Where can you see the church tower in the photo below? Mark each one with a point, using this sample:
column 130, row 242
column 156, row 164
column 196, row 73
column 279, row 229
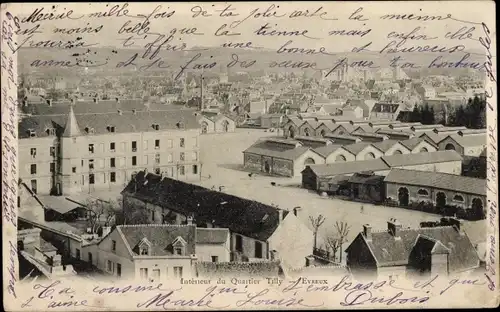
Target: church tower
column 72, row 146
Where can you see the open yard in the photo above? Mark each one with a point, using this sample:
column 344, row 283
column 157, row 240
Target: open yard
column 222, row 157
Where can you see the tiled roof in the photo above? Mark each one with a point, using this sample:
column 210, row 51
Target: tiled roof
column 342, row 137
column 270, row 149
column 384, row 146
column 438, row 180
column 413, row 142
column 58, row 203
column 211, row 235
column 161, row 237
column 348, row 167
column 469, row 140
column 126, row 122
column 421, row 158
column 356, row 147
column 433, row 137
column 326, row 150
column 390, row 251
column 370, row 135
column 239, row 215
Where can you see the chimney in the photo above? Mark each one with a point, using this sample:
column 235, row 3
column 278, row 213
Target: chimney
column 96, row 100
column 106, row 230
column 393, row 226
column 117, row 100
column 49, row 101
column 280, row 215
column 309, row 261
column 134, row 111
column 190, row 220
column 367, row 231
column 296, row 211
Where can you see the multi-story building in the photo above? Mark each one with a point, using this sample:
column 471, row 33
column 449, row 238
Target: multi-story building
column 73, row 153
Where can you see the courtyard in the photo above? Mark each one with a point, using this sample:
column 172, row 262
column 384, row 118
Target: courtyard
column 223, row 158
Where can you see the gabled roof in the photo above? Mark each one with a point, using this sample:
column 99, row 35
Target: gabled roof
column 438, row 180
column 326, row 150
column 391, row 251
column 239, row 215
column 468, row 140
column 161, row 237
column 421, row 158
column 71, row 128
column 347, row 167
column 279, row 151
column 414, row 142
column 384, row 146
column 356, row 147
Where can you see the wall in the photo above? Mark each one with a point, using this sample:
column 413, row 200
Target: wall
column 248, row 246
column 287, row 126
column 448, row 140
column 165, row 265
column 430, row 148
column 121, row 255
column 204, row 252
column 299, row 163
column 330, row 159
column 293, row 241
column 44, row 178
column 252, row 161
column 369, row 149
column 439, row 264
column 393, row 189
column 474, row 150
column 359, row 258
column 282, row 167
column 452, row 167
column 395, row 147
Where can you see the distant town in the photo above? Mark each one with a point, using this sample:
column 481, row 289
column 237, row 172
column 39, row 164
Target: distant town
column 362, row 172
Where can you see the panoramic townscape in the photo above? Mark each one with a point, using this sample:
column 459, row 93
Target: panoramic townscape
column 365, row 172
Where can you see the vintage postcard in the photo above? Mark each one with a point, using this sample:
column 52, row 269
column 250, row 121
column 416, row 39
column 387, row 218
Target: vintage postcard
column 249, row 155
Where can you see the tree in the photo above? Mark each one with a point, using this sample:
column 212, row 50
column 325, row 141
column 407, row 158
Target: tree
column 415, row 115
column 100, row 213
column 342, row 231
column 316, row 223
column 332, row 242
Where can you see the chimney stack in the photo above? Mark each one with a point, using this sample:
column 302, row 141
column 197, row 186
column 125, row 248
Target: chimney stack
column 280, row 215
column 190, row 220
column 96, row 100
column 367, row 231
column 394, row 227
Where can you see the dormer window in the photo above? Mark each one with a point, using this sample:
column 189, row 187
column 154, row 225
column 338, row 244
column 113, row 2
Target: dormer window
column 31, row 133
column 89, row 130
column 179, row 246
column 50, row 131
column 111, row 128
column 156, row 126
column 180, row 125
column 144, row 247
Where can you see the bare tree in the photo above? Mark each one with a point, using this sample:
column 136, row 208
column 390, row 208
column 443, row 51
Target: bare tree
column 100, row 213
column 332, row 242
column 342, row 231
column 316, row 223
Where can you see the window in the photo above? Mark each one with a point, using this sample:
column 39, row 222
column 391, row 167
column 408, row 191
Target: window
column 91, row 178
column 145, row 159
column 369, row 156
column 215, row 259
column 156, row 273
column 170, row 157
column 82, row 162
column 397, row 152
column 170, row 143
column 423, row 150
column 458, row 198
column 112, row 146
column 182, row 142
column 73, row 169
column 178, row 251
column 91, row 148
column 239, row 243
column 112, row 176
column 33, row 186
column 51, row 131
column 111, row 128
column 177, row 271
column 195, row 169
column 33, row 168
column 123, row 146
column 134, row 146
column 144, row 273
column 52, row 151
column 182, row 170
column 145, row 145
column 113, row 246
column 195, row 156
column 78, row 254
column 157, row 159
column 118, row 269
column 134, row 160
column 182, row 156
column 91, row 164
column 110, row 266
column 258, row 249
column 157, row 144
column 144, row 251
column 340, row 158
column 423, row 192
column 112, row 162
column 33, row 152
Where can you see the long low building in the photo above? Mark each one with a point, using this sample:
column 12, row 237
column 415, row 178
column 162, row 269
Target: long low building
column 412, row 187
column 325, row 177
